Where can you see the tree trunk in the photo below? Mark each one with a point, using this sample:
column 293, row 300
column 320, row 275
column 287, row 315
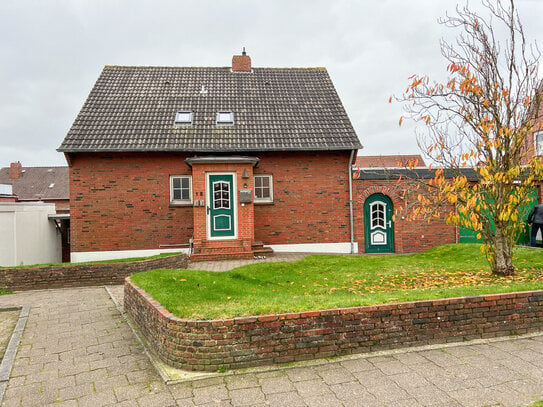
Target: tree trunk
column 502, row 263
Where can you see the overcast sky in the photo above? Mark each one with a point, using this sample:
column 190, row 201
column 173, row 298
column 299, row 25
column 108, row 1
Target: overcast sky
column 52, row 51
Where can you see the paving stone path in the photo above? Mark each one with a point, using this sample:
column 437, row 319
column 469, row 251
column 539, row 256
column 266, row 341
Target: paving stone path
column 231, row 264
column 77, row 350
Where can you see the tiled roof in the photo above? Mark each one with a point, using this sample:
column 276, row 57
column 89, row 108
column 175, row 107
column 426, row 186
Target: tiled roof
column 275, row 109
column 389, row 161
column 38, row 183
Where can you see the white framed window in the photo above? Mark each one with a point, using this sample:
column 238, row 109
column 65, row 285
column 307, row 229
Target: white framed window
column 225, row 117
column 181, row 189
column 263, row 188
column 377, row 214
column 183, row 117
column 538, row 139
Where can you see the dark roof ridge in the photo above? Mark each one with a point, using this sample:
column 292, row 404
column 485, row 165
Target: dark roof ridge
column 302, row 68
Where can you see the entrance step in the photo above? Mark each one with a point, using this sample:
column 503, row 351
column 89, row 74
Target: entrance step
column 196, row 257
column 259, row 250
column 209, row 250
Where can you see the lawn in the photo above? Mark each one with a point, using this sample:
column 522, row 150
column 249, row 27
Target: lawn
column 326, row 281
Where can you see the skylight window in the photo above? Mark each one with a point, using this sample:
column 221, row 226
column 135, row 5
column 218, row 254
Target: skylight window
column 183, row 118
column 225, row 118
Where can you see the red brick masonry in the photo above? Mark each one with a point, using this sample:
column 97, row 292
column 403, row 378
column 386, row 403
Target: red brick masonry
column 269, row 339
column 75, row 275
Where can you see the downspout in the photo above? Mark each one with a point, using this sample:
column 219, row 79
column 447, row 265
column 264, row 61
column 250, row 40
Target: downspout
column 351, row 199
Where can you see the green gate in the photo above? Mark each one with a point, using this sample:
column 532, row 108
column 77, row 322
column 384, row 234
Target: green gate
column 470, row 236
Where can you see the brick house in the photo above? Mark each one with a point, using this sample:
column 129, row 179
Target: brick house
column 28, row 185
column 38, row 184
column 222, row 160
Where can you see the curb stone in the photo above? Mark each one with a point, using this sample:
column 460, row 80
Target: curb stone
column 13, row 346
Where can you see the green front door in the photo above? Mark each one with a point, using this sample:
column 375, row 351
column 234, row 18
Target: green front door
column 378, row 226
column 221, row 205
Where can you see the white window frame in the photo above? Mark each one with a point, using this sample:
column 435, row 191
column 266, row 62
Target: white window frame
column 267, row 199
column 384, row 205
column 538, row 145
column 181, row 201
column 224, row 122
column 183, row 123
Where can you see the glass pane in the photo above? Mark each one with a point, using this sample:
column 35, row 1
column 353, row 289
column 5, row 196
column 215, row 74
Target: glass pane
column 266, row 192
column 265, row 181
column 177, row 182
column 185, row 183
column 185, row 194
column 258, row 192
column 225, row 117
column 183, row 117
column 258, row 182
column 539, row 142
column 176, row 194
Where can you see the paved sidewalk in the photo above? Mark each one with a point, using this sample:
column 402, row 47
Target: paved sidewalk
column 78, row 351
column 225, row 265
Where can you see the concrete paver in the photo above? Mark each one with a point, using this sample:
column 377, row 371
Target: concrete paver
column 232, row 264
column 77, row 350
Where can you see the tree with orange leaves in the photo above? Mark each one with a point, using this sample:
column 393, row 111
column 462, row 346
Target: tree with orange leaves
column 480, row 118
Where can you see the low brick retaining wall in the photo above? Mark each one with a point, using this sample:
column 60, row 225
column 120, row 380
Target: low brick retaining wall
column 74, row 275
column 270, row 339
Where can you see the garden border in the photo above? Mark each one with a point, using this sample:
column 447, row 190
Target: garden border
column 211, row 345
column 79, row 275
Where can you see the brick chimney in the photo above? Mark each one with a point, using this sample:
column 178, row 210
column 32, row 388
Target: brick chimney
column 15, row 170
column 241, row 63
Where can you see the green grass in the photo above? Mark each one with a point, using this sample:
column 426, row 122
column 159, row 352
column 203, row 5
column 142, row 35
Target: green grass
column 537, row 404
column 325, row 281
column 4, row 292
column 93, row 262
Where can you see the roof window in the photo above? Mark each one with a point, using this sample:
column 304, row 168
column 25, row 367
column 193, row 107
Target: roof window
column 225, row 118
column 183, row 117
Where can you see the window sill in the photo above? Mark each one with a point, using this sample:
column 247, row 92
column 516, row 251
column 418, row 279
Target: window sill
column 177, row 204
column 263, row 202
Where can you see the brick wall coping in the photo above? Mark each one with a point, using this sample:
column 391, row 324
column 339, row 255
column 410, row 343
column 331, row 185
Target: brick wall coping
column 75, row 275
column 490, row 298
column 269, row 339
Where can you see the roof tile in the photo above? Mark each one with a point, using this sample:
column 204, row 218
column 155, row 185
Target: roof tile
column 275, row 109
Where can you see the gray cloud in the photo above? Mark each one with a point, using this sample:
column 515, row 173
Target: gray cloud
column 51, row 52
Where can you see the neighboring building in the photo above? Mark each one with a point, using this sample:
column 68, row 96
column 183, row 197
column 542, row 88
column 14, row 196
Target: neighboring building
column 29, row 185
column 38, row 184
column 221, row 158
column 28, row 234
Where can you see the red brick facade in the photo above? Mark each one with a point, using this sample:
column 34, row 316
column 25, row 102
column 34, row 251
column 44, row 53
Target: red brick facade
column 121, row 201
column 310, row 198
